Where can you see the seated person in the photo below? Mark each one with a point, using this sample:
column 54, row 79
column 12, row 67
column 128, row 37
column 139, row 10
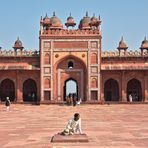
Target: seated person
column 73, row 126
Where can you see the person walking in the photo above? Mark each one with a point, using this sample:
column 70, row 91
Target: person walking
column 74, row 99
column 7, row 103
column 130, row 98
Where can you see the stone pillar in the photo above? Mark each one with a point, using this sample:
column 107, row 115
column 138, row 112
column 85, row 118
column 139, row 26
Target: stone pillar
column 102, row 99
column 88, row 89
column 123, row 89
column 146, row 88
column 41, row 72
column 99, row 87
column 19, row 93
column 15, row 52
column 141, row 52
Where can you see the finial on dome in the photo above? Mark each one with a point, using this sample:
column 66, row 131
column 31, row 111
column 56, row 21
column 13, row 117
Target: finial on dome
column 54, row 13
column 86, row 13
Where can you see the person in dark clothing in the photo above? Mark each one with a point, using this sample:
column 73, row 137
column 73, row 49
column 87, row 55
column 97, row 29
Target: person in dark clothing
column 7, row 103
column 74, row 99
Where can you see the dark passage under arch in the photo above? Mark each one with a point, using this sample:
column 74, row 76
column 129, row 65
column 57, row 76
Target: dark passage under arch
column 7, row 89
column 111, row 90
column 29, row 91
column 70, row 86
column 134, row 88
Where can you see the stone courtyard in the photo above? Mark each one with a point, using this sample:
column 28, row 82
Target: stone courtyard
column 107, row 126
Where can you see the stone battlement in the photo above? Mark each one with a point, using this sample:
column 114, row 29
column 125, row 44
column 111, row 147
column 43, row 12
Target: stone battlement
column 130, row 53
column 71, row 32
column 24, row 53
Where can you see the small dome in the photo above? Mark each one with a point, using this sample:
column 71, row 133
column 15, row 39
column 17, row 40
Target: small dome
column 95, row 21
column 122, row 44
column 144, row 44
column 85, row 22
column 70, row 21
column 46, row 20
column 55, row 22
column 18, row 44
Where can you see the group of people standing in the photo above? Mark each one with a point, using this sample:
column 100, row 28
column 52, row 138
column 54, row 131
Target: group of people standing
column 133, row 97
column 72, row 99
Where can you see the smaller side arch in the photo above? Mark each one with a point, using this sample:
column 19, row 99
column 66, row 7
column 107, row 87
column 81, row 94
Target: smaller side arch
column 46, row 83
column 7, row 89
column 134, row 89
column 111, row 90
column 94, row 83
column 47, row 59
column 94, row 58
column 29, row 90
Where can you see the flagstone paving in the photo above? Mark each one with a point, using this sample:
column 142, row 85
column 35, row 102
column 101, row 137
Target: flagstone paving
column 107, row 126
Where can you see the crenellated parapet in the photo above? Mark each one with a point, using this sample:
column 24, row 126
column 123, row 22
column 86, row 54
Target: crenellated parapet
column 27, row 53
column 123, row 52
column 130, row 53
column 71, row 32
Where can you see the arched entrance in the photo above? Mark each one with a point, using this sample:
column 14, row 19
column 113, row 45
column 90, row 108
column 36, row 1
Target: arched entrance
column 70, row 87
column 70, row 68
column 134, row 88
column 29, row 91
column 7, row 89
column 111, row 90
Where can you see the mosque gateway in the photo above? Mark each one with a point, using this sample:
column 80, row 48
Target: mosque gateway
column 71, row 60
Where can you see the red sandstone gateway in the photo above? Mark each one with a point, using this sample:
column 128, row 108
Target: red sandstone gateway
column 69, row 54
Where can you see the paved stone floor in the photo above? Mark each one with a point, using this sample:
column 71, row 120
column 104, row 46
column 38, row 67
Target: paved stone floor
column 107, row 126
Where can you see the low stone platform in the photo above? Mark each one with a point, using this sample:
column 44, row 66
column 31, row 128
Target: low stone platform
column 68, row 139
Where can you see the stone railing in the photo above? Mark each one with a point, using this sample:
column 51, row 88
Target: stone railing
column 130, row 53
column 18, row 53
column 70, row 32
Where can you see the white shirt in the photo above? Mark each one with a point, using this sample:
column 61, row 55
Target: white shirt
column 75, row 125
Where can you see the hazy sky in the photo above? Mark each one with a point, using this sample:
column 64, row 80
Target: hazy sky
column 128, row 18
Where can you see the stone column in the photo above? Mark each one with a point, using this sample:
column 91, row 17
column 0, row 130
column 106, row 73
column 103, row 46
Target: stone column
column 102, row 99
column 146, row 88
column 123, row 88
column 19, row 93
column 41, row 72
column 88, row 86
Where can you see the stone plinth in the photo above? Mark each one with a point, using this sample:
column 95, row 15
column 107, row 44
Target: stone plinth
column 57, row 138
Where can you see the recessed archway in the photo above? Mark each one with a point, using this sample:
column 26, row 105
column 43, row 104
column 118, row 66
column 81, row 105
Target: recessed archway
column 70, row 67
column 29, row 91
column 134, row 89
column 70, row 87
column 111, row 90
column 7, row 89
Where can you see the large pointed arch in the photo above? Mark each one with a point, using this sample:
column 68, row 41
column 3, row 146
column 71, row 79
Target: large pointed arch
column 64, row 70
